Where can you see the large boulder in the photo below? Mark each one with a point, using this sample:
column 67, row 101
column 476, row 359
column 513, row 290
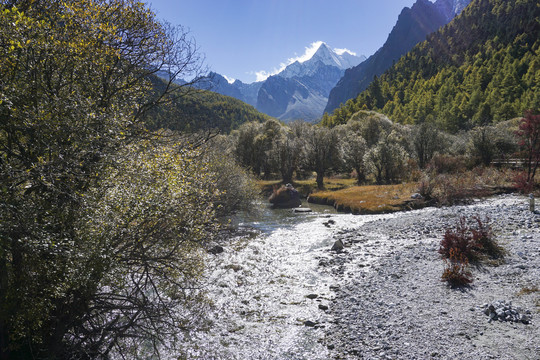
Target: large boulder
column 286, row 197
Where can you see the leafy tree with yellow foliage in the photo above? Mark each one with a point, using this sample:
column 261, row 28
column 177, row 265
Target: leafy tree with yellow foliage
column 101, row 230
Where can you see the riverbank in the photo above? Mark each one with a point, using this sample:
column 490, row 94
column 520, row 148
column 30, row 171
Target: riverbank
column 443, row 189
column 389, row 301
column 371, row 199
column 346, row 197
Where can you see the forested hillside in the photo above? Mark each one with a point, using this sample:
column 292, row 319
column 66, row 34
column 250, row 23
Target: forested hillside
column 200, row 109
column 484, row 66
column 412, row 27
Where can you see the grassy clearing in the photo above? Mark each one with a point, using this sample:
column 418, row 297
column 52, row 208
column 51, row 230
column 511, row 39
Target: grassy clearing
column 371, row 199
column 441, row 189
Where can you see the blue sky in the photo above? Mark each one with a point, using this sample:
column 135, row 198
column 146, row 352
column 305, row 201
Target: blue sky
column 243, row 38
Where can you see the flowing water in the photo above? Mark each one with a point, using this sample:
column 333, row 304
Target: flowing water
column 260, row 283
column 259, row 287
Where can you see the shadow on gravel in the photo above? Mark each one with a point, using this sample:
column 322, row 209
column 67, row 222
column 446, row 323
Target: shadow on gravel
column 461, row 288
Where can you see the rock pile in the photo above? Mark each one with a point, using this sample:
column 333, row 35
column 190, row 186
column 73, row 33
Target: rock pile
column 503, row 311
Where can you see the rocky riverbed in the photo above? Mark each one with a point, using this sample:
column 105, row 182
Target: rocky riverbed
column 388, row 301
column 282, row 293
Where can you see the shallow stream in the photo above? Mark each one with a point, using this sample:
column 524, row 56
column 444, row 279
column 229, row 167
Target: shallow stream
column 260, row 286
column 270, row 289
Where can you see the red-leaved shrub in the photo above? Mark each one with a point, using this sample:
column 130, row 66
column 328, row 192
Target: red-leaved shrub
column 456, row 272
column 523, row 184
column 459, row 239
column 473, row 241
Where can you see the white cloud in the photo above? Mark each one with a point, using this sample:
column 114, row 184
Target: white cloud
column 308, row 53
column 263, row 75
column 229, row 80
column 310, row 50
column 343, row 51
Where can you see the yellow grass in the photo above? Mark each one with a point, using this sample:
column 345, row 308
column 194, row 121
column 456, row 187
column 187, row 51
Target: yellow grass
column 368, row 199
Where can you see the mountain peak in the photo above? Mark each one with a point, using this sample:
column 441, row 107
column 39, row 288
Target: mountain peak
column 323, row 48
column 324, row 55
column 327, row 56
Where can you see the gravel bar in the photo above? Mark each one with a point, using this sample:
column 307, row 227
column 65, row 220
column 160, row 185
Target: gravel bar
column 389, row 301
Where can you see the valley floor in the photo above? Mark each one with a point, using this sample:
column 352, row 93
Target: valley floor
column 389, row 301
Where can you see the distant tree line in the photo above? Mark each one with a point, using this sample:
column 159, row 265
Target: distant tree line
column 369, row 146
column 192, row 111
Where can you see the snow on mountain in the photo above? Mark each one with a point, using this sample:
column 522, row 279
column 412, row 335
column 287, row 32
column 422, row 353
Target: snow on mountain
column 323, row 56
column 299, row 91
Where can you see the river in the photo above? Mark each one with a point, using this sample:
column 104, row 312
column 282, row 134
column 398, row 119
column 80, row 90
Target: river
column 384, row 292
column 260, row 287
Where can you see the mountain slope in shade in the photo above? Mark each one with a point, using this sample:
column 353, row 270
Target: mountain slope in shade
column 412, row 27
column 239, row 90
column 196, row 110
column 298, row 97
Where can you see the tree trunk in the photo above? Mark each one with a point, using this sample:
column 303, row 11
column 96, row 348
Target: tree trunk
column 360, row 176
column 320, row 179
column 3, row 295
column 286, row 177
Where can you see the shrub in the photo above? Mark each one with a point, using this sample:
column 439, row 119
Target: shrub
column 458, row 239
column 456, row 272
column 235, row 185
column 483, row 238
column 426, row 187
column 522, row 184
column 412, row 171
column 447, row 164
column 474, row 241
column 529, row 141
column 449, row 189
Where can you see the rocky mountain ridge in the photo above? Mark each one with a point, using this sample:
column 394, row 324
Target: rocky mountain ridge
column 299, row 91
column 412, row 27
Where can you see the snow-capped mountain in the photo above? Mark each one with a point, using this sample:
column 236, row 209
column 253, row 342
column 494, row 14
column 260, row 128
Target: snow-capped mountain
column 323, row 56
column 298, row 97
column 451, row 8
column 299, row 91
